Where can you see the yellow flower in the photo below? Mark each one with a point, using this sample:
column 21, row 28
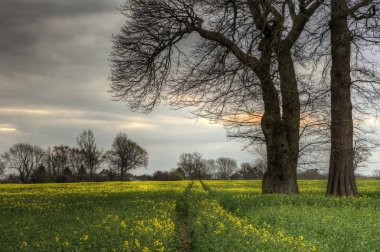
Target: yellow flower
column 66, row 244
column 137, row 243
column 157, row 243
column 84, row 237
column 123, row 224
column 145, row 249
column 24, row 244
column 219, row 228
column 126, row 244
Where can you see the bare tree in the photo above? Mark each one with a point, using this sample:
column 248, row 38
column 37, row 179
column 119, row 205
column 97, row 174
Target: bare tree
column 376, row 174
column 192, row 164
column 241, row 64
column 58, row 159
column 92, row 157
column 210, row 168
column 364, row 145
column 353, row 25
column 126, row 155
column 226, row 167
column 354, row 34
column 341, row 172
column 2, row 166
column 25, row 158
column 245, row 167
column 76, row 160
column 252, row 171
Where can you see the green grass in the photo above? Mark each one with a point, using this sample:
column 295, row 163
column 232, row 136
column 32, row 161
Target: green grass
column 89, row 217
column 217, row 229
column 227, row 216
column 332, row 224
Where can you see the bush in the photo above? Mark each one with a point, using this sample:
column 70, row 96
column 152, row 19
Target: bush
column 165, row 175
column 62, row 179
column 144, row 177
column 176, row 176
column 40, row 175
column 311, row 174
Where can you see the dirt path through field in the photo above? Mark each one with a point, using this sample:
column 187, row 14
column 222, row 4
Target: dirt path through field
column 183, row 226
column 184, row 235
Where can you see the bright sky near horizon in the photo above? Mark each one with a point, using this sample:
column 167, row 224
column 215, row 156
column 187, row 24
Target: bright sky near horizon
column 53, row 84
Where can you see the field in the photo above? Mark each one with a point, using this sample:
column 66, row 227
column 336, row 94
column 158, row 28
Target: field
column 186, row 216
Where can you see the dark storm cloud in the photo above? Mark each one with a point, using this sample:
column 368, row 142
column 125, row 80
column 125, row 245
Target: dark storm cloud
column 31, row 10
column 53, row 84
column 53, row 57
column 24, row 21
column 64, row 44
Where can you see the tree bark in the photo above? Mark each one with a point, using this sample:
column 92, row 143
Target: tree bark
column 281, row 176
column 341, row 181
column 289, row 137
column 281, row 132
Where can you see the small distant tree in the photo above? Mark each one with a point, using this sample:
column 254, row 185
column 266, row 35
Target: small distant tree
column 2, row 167
column 260, row 165
column 82, row 170
column 161, row 175
column 376, row 174
column 176, row 174
column 226, row 167
column 25, row 158
column 364, row 145
column 311, row 174
column 126, row 155
column 245, row 167
column 192, row 164
column 12, row 178
column 251, row 171
column 67, row 171
column 40, row 175
column 181, row 172
column 209, row 168
column 144, row 177
column 92, row 156
column 76, row 162
column 58, row 159
column 172, row 175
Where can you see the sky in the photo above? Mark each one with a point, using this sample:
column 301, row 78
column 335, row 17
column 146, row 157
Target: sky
column 54, row 72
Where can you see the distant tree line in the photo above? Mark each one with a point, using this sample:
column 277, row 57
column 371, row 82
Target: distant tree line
column 86, row 162
column 194, row 166
column 62, row 163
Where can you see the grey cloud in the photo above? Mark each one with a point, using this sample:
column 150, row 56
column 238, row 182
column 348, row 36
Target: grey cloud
column 75, row 64
column 37, row 35
column 54, row 58
column 16, row 12
column 22, row 21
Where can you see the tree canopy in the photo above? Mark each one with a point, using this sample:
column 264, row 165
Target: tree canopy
column 126, row 155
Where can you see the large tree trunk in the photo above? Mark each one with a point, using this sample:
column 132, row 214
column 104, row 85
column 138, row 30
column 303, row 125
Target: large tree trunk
column 341, row 181
column 287, row 132
column 280, row 176
column 22, row 176
column 281, row 134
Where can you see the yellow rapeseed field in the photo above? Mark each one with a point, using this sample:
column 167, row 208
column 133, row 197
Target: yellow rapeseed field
column 218, row 216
